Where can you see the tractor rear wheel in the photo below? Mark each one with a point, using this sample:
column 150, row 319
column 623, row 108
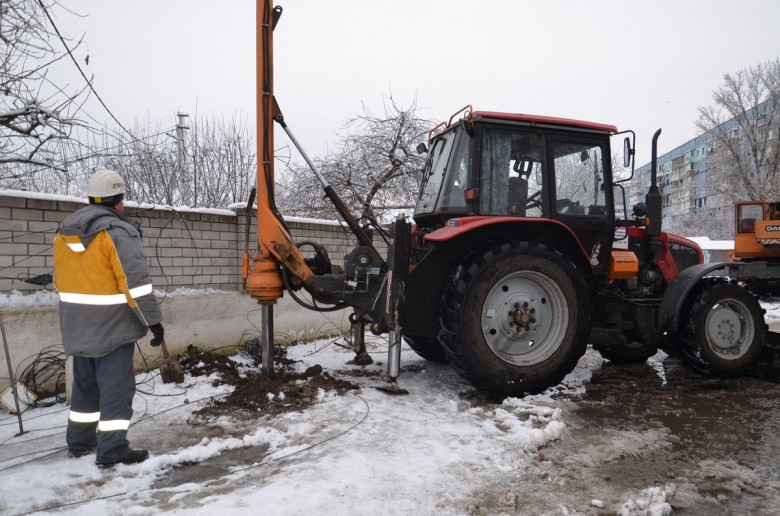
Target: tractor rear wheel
column 515, row 318
column 725, row 332
column 427, row 347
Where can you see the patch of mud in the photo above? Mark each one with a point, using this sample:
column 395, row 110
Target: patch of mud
column 652, row 439
column 214, row 468
column 288, row 390
column 360, row 373
column 379, row 372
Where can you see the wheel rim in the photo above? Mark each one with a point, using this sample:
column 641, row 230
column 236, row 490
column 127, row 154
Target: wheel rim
column 524, row 318
column 729, row 329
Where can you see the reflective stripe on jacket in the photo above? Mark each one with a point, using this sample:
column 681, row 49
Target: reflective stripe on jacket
column 101, row 274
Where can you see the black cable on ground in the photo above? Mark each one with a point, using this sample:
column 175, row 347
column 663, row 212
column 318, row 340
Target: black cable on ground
column 216, row 476
column 151, row 378
column 47, row 366
column 56, row 449
column 14, row 422
column 6, row 443
column 142, row 418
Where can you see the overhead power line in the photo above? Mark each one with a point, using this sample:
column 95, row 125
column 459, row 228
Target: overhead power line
column 75, row 62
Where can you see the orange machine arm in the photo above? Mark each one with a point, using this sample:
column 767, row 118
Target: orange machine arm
column 275, row 245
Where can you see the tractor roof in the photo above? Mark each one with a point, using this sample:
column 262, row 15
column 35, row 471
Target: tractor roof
column 551, row 120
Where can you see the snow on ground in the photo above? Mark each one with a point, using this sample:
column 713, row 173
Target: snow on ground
column 366, row 452
column 16, row 299
column 772, row 307
column 435, row 451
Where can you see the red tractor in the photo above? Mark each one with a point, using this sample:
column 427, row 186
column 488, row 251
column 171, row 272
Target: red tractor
column 522, row 251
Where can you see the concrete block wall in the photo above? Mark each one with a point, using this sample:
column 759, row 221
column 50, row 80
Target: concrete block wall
column 184, row 248
column 27, row 228
column 199, row 249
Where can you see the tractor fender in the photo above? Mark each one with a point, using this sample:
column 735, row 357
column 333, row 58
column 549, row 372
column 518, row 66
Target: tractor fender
column 676, row 295
column 464, row 226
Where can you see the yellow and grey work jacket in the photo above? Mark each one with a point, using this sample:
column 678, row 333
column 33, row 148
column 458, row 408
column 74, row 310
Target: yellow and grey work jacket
column 102, row 277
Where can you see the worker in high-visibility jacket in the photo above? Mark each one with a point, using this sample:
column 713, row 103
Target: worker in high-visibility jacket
column 106, row 305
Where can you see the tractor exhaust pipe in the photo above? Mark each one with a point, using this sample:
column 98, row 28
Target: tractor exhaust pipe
column 653, row 199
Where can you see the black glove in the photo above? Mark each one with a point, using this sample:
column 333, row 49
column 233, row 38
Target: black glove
column 159, row 334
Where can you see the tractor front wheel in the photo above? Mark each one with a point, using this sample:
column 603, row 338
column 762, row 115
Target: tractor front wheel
column 633, row 350
column 725, row 331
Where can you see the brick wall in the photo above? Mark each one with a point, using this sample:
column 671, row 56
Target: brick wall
column 185, row 248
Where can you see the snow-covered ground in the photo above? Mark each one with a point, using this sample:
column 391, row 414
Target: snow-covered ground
column 361, row 453
column 772, row 307
column 442, row 449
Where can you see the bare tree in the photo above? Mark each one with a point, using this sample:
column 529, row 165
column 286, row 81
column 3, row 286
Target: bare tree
column 219, row 168
column 222, row 163
column 376, row 168
column 744, row 157
column 36, row 116
column 148, row 163
column 716, row 224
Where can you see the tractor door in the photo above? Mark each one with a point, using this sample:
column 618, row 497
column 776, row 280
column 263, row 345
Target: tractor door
column 581, row 171
column 512, row 172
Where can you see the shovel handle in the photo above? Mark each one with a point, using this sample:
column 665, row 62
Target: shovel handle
column 165, row 351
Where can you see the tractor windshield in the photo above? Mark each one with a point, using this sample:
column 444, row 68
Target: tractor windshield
column 445, row 175
column 452, row 198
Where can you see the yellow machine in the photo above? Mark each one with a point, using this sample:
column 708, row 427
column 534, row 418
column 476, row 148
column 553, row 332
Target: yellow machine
column 757, row 234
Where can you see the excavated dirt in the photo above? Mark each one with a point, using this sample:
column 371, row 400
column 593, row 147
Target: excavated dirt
column 288, row 390
column 205, row 363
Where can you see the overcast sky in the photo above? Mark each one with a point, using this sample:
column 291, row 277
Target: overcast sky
column 638, row 65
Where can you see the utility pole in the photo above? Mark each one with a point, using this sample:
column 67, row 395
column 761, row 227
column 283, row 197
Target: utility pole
column 181, row 155
column 180, row 128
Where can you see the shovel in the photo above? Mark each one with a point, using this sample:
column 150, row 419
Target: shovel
column 171, row 372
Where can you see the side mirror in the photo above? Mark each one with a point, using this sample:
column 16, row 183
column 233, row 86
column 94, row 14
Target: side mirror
column 628, row 152
column 421, row 148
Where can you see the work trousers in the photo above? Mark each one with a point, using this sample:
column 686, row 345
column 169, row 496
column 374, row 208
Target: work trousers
column 102, row 403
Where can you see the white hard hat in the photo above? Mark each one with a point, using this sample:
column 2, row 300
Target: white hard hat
column 105, row 183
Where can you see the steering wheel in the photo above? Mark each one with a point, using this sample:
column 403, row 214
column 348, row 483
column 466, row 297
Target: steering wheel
column 534, row 201
column 565, row 205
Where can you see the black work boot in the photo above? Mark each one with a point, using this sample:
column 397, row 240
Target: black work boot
column 75, row 453
column 132, row 457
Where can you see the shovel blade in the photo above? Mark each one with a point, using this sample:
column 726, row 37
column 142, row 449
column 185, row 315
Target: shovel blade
column 172, row 373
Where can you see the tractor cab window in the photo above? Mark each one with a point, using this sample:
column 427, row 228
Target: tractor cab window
column 579, row 179
column 747, row 217
column 512, row 171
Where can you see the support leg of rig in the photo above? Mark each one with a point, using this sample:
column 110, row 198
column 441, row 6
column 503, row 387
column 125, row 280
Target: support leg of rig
column 393, row 364
column 362, row 357
column 394, row 356
column 267, row 336
column 398, row 259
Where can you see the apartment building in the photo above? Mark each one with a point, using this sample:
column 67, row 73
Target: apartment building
column 691, row 176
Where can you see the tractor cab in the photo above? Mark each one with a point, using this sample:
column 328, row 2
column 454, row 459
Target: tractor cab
column 540, row 170
column 757, row 234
